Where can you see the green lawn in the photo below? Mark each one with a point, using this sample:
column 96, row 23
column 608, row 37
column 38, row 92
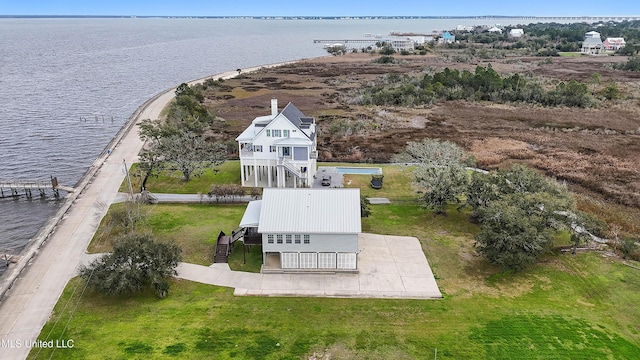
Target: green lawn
column 564, row 309
column 172, row 183
column 193, row 227
column 568, row 307
column 570, row 54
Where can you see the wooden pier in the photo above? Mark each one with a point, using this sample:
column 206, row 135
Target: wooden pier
column 29, row 188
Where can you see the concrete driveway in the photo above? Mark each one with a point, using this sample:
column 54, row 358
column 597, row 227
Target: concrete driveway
column 389, row 267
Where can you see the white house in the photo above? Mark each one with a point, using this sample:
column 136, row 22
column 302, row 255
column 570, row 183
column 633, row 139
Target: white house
column 592, row 44
column 279, row 150
column 311, row 229
column 516, row 33
column 495, row 30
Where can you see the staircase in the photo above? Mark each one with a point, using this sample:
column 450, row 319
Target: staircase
column 237, row 234
column 292, row 168
column 223, row 248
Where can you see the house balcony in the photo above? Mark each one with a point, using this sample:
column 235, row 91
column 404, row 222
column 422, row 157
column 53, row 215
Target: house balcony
column 246, row 153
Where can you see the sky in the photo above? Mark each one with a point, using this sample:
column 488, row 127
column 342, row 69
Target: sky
column 320, row 7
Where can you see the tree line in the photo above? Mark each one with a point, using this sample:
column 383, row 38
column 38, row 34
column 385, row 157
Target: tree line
column 548, row 39
column 484, row 84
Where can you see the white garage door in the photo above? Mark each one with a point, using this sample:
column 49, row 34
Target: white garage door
column 346, row 261
column 326, row 260
column 308, row 260
column 289, row 260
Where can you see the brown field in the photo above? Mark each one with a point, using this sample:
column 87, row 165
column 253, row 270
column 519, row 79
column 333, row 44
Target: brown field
column 596, row 151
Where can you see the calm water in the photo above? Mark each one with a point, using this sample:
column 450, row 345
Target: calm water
column 68, row 85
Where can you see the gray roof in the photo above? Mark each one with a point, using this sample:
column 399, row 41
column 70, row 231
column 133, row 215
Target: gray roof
column 297, row 118
column 592, row 42
column 310, row 211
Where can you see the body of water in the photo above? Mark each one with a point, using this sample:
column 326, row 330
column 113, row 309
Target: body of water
column 68, row 85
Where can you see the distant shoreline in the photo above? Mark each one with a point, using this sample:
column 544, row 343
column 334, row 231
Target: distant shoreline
column 479, row 17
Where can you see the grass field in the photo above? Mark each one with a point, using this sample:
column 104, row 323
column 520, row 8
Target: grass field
column 172, row 183
column 568, row 307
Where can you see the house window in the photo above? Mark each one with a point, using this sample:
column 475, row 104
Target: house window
column 288, row 239
column 285, row 133
column 272, row 148
column 268, row 132
column 270, row 239
column 257, row 148
column 279, row 238
column 286, row 151
column 307, row 239
column 275, row 133
column 297, row 238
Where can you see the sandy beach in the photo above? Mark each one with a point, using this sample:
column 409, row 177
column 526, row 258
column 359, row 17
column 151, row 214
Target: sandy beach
column 30, row 289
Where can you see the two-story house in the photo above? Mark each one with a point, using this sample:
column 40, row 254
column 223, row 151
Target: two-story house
column 279, row 150
column 592, row 44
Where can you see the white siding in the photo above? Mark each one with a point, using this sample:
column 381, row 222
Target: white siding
column 318, row 243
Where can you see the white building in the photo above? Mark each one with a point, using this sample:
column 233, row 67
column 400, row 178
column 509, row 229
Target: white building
column 279, row 150
column 495, row 30
column 516, row 33
column 311, row 229
column 592, row 44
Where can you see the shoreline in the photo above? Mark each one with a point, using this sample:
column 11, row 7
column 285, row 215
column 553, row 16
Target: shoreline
column 30, row 288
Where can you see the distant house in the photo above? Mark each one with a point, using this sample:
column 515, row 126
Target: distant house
column 495, row 30
column 592, row 44
column 406, row 44
column 464, row 28
column 616, row 43
column 311, row 229
column 447, row 38
column 279, row 150
column 516, row 33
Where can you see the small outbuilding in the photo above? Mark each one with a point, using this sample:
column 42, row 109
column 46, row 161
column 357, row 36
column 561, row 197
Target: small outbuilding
column 307, row 229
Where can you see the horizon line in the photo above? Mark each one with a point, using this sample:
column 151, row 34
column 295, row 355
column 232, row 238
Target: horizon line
column 329, row 16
